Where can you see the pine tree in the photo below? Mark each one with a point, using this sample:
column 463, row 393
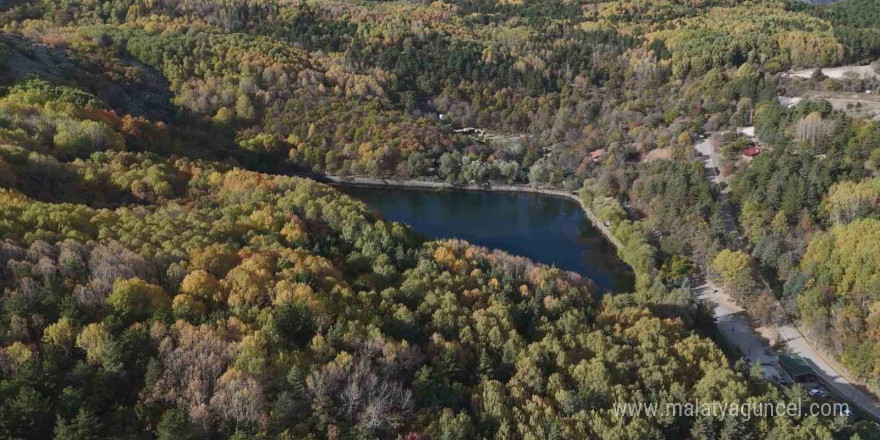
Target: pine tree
column 85, row 426
column 175, row 425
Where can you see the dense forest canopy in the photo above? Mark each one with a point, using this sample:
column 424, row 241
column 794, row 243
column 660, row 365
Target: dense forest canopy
column 163, row 275
column 179, row 298
column 358, row 88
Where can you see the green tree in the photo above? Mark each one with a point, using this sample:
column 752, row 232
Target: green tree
column 735, row 270
column 85, row 426
column 175, row 425
column 62, row 334
column 136, row 299
column 294, row 322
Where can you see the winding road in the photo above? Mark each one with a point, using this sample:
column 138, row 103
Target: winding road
column 738, row 331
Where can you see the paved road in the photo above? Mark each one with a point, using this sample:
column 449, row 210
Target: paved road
column 737, row 331
column 707, row 154
column 801, row 346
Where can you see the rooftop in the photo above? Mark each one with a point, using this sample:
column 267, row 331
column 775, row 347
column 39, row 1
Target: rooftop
column 751, row 151
column 794, row 365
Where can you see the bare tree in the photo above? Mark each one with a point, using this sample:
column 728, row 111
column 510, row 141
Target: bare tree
column 193, row 359
column 365, row 391
column 111, row 262
column 814, row 129
column 239, row 398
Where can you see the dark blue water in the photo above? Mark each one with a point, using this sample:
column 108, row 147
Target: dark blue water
column 545, row 229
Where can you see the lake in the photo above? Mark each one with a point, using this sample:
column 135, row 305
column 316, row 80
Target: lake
column 545, row 229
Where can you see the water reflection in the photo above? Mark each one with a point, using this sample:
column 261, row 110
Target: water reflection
column 546, row 229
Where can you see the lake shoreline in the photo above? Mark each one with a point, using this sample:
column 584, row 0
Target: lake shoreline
column 423, row 185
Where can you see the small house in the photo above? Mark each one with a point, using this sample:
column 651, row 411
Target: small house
column 797, row 368
column 750, row 153
column 598, row 155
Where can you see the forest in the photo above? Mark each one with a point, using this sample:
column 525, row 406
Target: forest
column 153, row 297
column 168, row 270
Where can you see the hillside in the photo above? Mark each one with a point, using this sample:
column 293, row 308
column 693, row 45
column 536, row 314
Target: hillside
column 164, row 275
column 182, row 298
